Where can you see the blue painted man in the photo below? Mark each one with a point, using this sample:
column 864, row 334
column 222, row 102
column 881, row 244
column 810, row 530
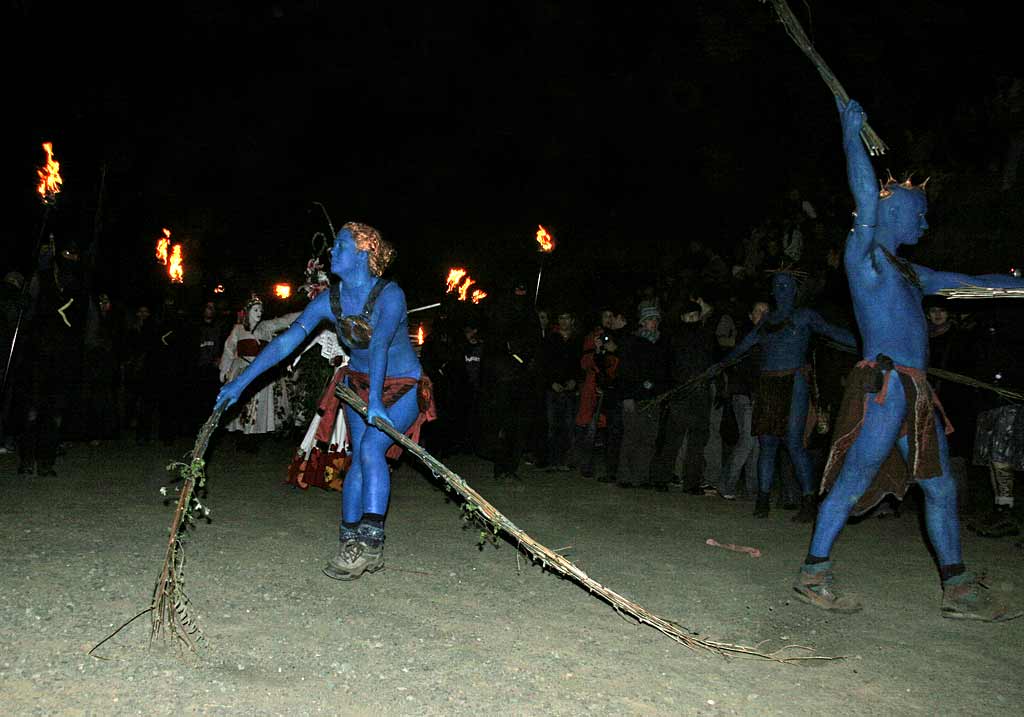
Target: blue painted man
column 370, row 317
column 891, row 430
column 782, row 401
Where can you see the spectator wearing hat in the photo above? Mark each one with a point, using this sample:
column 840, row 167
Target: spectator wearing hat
column 644, row 373
column 691, row 352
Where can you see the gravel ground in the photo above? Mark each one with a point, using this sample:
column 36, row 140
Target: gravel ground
column 450, row 629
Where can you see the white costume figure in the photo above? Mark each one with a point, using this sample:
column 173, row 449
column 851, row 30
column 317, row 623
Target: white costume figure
column 323, row 456
column 268, row 409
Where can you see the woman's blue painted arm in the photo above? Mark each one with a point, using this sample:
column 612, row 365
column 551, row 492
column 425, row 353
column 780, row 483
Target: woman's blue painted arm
column 281, row 347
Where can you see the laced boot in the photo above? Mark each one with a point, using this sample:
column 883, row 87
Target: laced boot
column 363, row 554
column 763, row 505
column 815, row 586
column 967, row 597
column 808, row 510
column 341, row 563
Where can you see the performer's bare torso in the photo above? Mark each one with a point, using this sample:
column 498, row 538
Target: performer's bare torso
column 898, row 329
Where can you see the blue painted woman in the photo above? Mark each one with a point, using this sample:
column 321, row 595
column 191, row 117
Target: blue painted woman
column 369, row 314
column 891, row 430
column 782, row 402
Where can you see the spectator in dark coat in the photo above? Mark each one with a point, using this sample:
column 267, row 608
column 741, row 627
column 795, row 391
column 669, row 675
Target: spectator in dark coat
column 509, row 369
column 688, row 412
column 644, row 374
column 560, row 369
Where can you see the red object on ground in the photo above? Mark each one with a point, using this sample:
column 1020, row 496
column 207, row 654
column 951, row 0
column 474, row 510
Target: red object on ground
column 752, row 552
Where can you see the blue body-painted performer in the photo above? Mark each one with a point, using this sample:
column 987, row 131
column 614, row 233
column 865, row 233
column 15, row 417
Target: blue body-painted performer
column 891, row 430
column 370, row 317
column 783, row 401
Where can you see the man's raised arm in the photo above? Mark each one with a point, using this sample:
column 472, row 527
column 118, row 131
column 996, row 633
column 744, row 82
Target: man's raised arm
column 860, row 174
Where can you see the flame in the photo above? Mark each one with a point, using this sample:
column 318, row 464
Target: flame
column 465, row 288
column 175, row 265
column 454, row 277
column 163, row 244
column 545, row 240
column 219, row 289
column 50, row 180
column 282, row 291
column 419, row 335
column 460, row 281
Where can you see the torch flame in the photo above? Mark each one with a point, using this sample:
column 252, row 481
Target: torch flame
column 50, row 180
column 545, row 240
column 419, row 335
column 282, row 291
column 458, row 280
column 163, row 244
column 454, row 277
column 465, row 287
column 175, row 266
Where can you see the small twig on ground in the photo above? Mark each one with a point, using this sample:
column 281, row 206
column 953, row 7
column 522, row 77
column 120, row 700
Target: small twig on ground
column 123, row 626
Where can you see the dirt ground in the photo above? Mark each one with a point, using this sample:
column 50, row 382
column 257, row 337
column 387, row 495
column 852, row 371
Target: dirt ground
column 449, row 629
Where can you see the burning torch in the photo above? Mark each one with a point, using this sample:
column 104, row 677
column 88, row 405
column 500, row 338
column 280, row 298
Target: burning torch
column 545, row 245
column 459, row 281
column 171, row 256
column 49, row 186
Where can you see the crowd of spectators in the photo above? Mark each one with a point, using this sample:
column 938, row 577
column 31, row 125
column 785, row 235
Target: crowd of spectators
column 80, row 368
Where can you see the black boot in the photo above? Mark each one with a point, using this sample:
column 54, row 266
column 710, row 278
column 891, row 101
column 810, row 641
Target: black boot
column 762, row 505
column 808, row 510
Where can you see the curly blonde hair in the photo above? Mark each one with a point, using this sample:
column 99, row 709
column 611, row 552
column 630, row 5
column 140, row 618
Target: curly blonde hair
column 369, row 240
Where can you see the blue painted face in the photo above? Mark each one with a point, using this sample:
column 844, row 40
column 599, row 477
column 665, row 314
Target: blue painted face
column 344, row 254
column 904, row 214
column 784, row 290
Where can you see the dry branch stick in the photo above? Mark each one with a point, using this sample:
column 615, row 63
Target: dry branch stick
column 170, row 604
column 549, row 559
column 970, row 291
column 872, row 141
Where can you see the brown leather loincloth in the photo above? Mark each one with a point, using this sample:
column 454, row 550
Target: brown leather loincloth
column 896, row 475
column 772, row 401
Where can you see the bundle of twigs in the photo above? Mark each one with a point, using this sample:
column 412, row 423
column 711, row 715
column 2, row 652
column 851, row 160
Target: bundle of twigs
column 970, row 291
column 872, row 141
column 169, row 608
column 489, row 516
column 170, row 605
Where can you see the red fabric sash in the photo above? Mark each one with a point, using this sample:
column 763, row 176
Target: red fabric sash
column 394, row 389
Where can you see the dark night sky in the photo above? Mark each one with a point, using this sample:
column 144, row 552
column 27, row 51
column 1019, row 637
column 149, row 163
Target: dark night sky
column 457, row 130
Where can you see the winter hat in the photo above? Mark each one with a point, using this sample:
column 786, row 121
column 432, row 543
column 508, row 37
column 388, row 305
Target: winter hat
column 649, row 311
